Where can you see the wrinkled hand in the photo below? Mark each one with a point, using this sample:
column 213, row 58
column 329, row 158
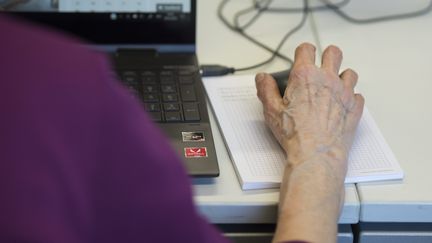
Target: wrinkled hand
column 319, row 111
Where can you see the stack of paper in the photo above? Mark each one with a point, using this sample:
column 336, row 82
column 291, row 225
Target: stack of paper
column 257, row 157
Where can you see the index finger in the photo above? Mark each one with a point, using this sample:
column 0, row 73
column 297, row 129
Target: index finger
column 304, row 55
column 332, row 59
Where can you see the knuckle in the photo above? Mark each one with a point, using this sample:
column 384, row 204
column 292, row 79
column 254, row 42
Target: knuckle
column 347, row 97
column 270, row 109
column 303, row 71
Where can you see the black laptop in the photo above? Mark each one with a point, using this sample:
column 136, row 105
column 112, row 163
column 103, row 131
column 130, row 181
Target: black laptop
column 152, row 44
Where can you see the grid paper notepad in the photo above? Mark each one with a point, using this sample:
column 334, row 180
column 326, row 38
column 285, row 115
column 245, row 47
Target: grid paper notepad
column 257, row 157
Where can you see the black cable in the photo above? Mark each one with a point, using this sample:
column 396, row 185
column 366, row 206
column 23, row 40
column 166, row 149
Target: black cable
column 254, row 7
column 245, row 35
column 283, row 40
column 350, row 19
column 261, row 6
column 275, row 52
column 296, row 10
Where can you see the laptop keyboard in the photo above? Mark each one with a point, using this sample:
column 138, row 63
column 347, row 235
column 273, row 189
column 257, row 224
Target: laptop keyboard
column 168, row 95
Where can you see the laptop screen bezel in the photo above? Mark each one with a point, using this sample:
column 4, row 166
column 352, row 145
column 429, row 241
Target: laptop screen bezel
column 98, row 28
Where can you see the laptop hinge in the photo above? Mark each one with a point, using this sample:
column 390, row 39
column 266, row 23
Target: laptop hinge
column 132, row 52
column 158, row 48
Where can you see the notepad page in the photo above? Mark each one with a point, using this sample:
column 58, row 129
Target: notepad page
column 370, row 158
column 257, row 157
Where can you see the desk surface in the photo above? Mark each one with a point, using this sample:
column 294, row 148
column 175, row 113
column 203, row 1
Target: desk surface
column 221, row 199
column 393, row 60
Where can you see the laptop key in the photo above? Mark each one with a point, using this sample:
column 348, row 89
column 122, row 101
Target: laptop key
column 173, row 116
column 167, row 79
column 191, row 112
column 148, row 73
column 150, row 88
column 150, row 97
column 166, row 73
column 169, row 97
column 129, row 73
column 186, row 72
column 149, row 79
column 168, row 88
column 152, row 107
column 187, row 93
column 186, row 79
column 171, row 107
column 130, row 80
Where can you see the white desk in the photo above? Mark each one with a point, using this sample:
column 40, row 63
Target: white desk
column 221, row 200
column 393, row 60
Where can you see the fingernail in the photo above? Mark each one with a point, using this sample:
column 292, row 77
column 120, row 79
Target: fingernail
column 259, row 77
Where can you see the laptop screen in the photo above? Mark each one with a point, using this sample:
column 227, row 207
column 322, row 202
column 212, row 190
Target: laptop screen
column 113, row 22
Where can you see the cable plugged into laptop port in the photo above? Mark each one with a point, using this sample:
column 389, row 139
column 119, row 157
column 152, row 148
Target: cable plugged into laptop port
column 215, row 70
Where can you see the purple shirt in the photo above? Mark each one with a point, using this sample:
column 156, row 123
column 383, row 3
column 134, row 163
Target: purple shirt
column 80, row 161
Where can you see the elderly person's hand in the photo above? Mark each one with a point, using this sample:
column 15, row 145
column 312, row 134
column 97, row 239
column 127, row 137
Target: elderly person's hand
column 319, row 110
column 315, row 122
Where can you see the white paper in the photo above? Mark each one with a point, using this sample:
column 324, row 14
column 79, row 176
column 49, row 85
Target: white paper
column 257, row 157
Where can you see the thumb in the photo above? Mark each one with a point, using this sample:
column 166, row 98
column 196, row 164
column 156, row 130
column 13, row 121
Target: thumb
column 267, row 89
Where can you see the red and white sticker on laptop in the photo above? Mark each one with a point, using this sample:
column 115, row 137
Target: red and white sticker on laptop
column 195, row 152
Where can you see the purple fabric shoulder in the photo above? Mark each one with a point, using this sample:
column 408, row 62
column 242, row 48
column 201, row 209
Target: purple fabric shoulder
column 81, row 161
